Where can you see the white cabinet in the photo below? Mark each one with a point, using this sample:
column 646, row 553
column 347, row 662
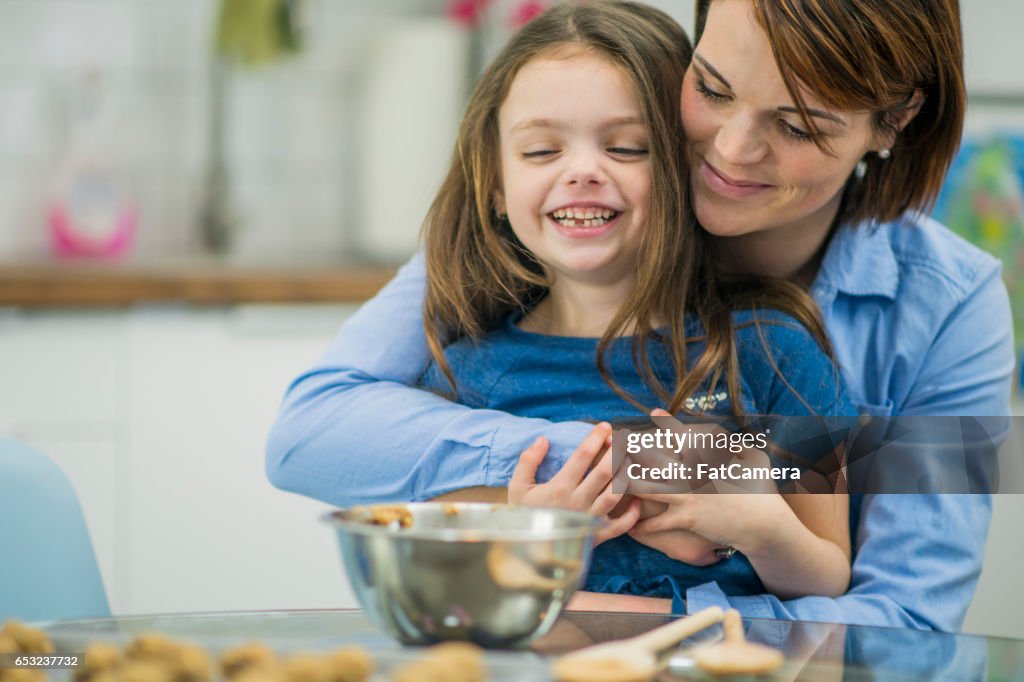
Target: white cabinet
column 59, row 368
column 205, row 388
column 159, row 417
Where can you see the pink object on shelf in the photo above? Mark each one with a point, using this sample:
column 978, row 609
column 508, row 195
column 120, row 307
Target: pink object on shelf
column 93, row 210
column 69, row 240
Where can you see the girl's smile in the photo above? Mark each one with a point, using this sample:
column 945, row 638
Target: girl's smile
column 580, row 221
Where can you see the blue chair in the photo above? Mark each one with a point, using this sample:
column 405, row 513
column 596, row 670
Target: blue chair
column 48, row 569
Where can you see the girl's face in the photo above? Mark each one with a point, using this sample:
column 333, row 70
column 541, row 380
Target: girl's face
column 575, row 175
column 753, row 166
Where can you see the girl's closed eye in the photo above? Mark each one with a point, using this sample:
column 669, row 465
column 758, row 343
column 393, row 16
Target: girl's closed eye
column 629, row 151
column 539, row 153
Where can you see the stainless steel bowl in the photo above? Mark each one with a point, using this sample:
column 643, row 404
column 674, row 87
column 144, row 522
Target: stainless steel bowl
column 496, row 575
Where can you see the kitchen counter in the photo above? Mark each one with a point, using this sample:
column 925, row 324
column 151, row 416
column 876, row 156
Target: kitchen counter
column 200, row 283
column 814, row 651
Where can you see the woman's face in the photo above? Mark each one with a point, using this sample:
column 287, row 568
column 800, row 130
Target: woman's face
column 754, row 166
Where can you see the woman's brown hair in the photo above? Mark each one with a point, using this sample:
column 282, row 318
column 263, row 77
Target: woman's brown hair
column 478, row 272
column 874, row 55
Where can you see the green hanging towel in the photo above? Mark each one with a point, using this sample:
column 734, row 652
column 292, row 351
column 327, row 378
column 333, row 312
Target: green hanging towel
column 254, row 32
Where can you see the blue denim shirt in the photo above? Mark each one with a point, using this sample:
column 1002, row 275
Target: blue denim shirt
column 920, row 324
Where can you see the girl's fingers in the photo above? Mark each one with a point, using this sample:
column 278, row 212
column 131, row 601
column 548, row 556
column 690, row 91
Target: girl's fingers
column 580, row 460
column 525, row 474
column 658, row 412
column 621, row 524
column 605, row 501
column 633, row 512
column 599, row 477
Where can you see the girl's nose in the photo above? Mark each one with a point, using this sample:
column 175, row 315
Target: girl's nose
column 740, row 141
column 585, row 170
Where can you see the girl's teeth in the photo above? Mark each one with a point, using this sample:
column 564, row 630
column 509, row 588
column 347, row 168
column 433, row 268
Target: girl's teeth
column 583, row 218
column 572, row 222
column 578, row 214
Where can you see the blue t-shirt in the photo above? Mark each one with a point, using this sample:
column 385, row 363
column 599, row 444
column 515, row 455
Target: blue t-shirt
column 783, row 371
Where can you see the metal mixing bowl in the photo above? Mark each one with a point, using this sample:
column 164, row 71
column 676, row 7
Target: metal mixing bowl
column 496, row 575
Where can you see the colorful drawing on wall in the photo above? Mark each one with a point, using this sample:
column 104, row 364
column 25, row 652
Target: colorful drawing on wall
column 984, row 202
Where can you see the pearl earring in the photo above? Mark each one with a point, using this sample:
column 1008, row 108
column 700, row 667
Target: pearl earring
column 884, row 153
column 861, row 170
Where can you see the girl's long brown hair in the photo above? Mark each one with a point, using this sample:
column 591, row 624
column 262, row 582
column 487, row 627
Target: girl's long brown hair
column 478, row 272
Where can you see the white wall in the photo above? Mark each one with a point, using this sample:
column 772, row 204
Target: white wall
column 998, row 601
column 286, row 125
column 992, row 46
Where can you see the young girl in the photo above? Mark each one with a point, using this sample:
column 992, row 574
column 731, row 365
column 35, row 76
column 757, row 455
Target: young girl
column 559, row 244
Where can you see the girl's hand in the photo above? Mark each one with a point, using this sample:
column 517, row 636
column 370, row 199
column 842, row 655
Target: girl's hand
column 581, row 485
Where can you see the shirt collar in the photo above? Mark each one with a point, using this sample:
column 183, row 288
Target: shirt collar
column 859, row 261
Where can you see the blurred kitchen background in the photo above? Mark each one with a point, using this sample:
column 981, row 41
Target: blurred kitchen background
column 194, row 194
column 325, row 123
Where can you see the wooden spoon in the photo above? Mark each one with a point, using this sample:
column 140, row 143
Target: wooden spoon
column 735, row 655
column 511, row 571
column 634, row 659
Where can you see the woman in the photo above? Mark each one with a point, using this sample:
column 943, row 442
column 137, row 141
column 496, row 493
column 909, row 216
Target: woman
column 815, row 130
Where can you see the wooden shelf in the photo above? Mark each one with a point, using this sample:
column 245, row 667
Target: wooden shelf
column 53, row 285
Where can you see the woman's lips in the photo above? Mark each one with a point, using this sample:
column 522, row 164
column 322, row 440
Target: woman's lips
column 727, row 187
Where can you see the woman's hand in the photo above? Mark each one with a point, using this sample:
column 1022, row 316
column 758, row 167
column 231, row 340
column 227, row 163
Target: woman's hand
column 681, row 545
column 690, row 526
column 658, row 529
column 580, row 485
column 741, row 520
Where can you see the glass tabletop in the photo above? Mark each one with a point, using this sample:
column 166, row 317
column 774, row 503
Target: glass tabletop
column 814, row 651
